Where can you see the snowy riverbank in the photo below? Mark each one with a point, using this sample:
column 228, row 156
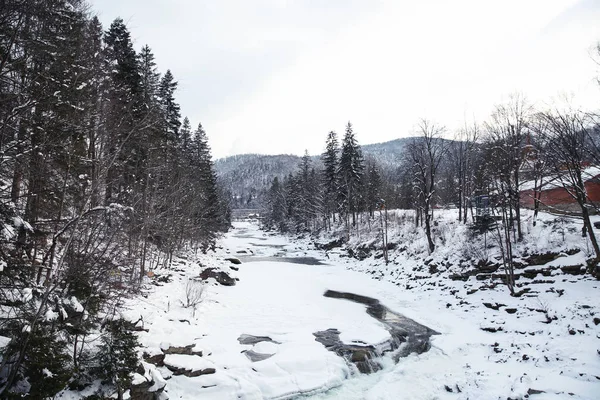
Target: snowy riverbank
column 545, row 345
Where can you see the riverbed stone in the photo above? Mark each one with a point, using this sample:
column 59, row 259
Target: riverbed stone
column 254, row 356
column 252, row 340
column 220, row 276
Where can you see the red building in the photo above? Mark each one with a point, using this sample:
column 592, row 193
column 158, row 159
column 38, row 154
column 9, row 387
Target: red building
column 555, row 197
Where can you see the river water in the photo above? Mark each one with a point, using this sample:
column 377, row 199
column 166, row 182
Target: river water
column 258, row 251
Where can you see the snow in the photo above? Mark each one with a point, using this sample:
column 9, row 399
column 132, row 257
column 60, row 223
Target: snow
column 76, row 304
column 51, row 315
column 285, row 302
column 4, row 341
column 137, row 379
column 192, row 363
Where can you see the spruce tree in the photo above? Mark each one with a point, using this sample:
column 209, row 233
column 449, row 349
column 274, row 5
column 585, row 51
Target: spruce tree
column 124, row 115
column 149, row 76
column 169, row 106
column 275, row 206
column 330, row 176
column 208, row 218
column 185, row 135
column 350, row 171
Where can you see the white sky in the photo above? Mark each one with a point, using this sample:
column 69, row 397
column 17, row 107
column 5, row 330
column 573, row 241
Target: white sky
column 274, row 76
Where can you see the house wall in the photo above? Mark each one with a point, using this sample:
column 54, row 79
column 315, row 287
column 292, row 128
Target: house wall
column 559, row 198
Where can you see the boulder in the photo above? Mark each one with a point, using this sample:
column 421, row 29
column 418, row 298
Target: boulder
column 156, row 359
column 233, row 260
column 189, row 366
column 252, row 340
column 186, row 350
column 147, row 384
column 573, row 269
column 220, row 276
column 254, row 356
column 541, row 259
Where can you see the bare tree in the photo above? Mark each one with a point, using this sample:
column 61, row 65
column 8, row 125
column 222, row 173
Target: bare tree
column 569, row 146
column 507, row 133
column 426, row 153
column 462, row 153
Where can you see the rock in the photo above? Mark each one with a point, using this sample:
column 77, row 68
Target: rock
column 220, row 276
column 433, row 269
column 459, row 277
column 252, row 340
column 185, row 350
column 234, row 268
column 188, row 372
column 147, row 384
column 541, row 259
column 254, row 356
column 596, row 321
column 510, row 310
column 534, row 391
column 233, row 260
column 533, row 272
column 367, row 367
column 492, row 329
column 495, row 306
column 186, row 365
column 360, row 355
column 573, row 270
column 157, row 359
column 139, row 391
column 502, row 276
column 328, row 338
column 163, row 278
column 199, row 372
column 331, row 245
column 487, row 266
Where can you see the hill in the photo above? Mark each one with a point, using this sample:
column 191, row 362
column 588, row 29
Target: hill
column 248, row 176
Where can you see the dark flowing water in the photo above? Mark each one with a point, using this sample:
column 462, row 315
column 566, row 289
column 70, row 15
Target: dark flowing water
column 293, row 260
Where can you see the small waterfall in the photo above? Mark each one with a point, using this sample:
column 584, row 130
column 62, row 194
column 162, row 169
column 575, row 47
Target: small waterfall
column 406, row 336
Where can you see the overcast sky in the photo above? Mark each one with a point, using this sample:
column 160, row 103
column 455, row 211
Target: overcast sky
column 274, row 76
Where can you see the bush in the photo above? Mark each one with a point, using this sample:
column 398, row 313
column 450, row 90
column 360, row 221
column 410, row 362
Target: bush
column 117, row 356
column 194, row 293
column 46, row 364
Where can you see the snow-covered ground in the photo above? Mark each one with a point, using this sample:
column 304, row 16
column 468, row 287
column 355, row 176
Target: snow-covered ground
column 546, row 342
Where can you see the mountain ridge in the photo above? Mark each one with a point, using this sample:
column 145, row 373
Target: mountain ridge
column 249, row 176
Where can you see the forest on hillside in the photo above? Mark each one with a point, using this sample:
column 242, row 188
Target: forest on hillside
column 100, row 182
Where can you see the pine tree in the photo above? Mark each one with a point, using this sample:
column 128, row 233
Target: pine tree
column 169, row 106
column 330, row 177
column 149, row 76
column 126, row 145
column 373, row 188
column 185, row 135
column 117, row 356
column 275, row 206
column 305, row 194
column 208, row 218
column 350, row 171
